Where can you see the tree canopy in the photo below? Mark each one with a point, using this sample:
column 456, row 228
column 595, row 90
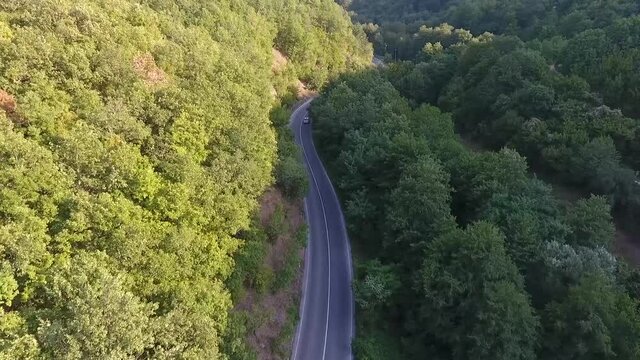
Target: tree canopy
column 493, row 262
column 135, row 140
column 463, row 254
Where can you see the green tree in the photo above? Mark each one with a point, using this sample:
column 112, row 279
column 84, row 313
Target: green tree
column 95, row 316
column 15, row 340
column 529, row 219
column 595, row 321
column 418, row 211
column 473, row 300
column 374, row 288
column 479, row 178
column 591, row 222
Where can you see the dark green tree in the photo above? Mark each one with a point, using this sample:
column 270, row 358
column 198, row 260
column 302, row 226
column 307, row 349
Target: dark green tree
column 591, row 223
column 595, row 321
column 473, row 300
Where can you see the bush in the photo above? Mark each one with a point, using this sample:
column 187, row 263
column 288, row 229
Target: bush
column 249, row 260
column 289, row 270
column 302, row 235
column 263, row 279
column 277, row 224
column 284, row 340
column 291, row 177
column 280, row 116
column 250, row 270
column 234, row 344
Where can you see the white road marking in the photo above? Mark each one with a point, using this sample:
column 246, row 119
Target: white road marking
column 326, row 225
column 348, row 254
column 307, row 260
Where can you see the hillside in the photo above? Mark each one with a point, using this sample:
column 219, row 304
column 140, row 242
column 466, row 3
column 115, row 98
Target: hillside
column 564, row 96
column 483, row 172
column 135, row 142
column 463, row 254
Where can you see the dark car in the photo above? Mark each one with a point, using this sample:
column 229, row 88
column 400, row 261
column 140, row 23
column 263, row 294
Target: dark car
column 306, row 119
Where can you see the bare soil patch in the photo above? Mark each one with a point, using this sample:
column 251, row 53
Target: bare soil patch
column 627, row 246
column 145, row 66
column 270, row 312
column 279, row 61
column 626, row 243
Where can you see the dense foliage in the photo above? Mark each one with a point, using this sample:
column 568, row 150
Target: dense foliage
column 506, row 270
column 528, row 19
column 468, row 255
column 462, row 254
column 135, row 141
column 557, row 82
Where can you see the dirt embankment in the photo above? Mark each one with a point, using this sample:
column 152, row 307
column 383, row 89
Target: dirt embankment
column 274, row 313
column 626, row 243
column 627, row 246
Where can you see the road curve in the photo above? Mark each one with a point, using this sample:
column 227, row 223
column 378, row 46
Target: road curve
column 378, row 62
column 327, row 309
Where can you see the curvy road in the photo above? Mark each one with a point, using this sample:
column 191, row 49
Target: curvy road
column 326, row 312
column 378, row 62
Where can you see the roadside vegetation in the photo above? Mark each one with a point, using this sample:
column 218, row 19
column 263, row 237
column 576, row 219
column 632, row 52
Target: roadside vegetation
column 135, row 145
column 466, row 254
column 461, row 254
column 265, row 285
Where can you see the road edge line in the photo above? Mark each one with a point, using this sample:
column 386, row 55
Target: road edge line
column 326, row 225
column 348, row 255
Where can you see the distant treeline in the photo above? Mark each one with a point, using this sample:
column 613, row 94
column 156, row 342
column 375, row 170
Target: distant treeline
column 566, row 96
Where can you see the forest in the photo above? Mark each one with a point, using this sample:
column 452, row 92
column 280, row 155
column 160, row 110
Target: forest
column 563, row 96
column 448, row 161
column 463, row 254
column 135, row 141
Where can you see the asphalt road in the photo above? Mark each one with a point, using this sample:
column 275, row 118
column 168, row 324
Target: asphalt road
column 327, row 307
column 378, row 62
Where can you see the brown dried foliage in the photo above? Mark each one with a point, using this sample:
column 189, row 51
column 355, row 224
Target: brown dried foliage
column 145, row 66
column 9, row 105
